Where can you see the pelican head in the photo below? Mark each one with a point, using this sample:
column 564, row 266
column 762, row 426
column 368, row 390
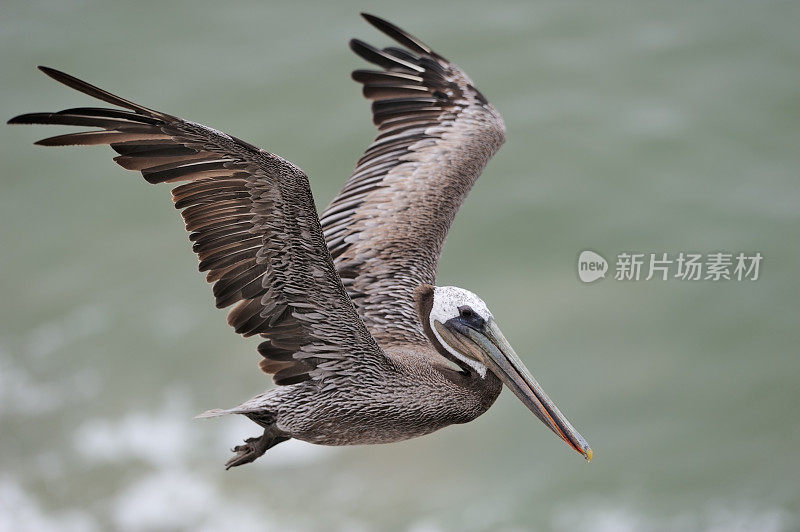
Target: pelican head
column 466, row 330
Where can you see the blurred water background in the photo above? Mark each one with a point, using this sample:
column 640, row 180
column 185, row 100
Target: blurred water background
column 649, row 126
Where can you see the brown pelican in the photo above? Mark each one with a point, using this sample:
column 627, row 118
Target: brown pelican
column 362, row 345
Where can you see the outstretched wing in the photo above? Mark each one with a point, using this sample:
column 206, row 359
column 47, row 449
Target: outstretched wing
column 255, row 230
column 386, row 228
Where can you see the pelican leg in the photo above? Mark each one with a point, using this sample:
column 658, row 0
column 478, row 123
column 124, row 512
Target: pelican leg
column 255, row 447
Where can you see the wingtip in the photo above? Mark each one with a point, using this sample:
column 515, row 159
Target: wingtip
column 63, row 77
column 397, row 33
column 68, row 80
column 100, row 94
column 51, row 72
column 375, row 20
column 31, row 118
column 357, row 44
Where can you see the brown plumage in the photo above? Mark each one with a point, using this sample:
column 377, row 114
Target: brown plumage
column 360, row 342
column 436, row 134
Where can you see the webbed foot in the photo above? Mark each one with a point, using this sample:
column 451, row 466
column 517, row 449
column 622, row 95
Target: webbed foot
column 254, row 447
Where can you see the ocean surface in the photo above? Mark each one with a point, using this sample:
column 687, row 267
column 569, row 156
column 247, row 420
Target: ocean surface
column 647, row 127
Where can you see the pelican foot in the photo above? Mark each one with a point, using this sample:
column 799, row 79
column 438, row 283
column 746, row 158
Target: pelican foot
column 253, row 448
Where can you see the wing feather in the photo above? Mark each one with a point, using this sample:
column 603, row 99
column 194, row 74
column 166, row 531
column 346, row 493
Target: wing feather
column 255, row 230
column 386, row 228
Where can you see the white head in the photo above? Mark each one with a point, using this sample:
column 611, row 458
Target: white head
column 453, row 302
column 447, row 301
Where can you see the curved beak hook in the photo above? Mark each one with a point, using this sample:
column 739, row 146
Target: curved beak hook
column 504, row 362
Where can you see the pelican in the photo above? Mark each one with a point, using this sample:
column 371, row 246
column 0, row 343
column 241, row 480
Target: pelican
column 362, row 345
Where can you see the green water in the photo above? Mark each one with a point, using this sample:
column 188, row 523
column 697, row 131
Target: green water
column 649, row 126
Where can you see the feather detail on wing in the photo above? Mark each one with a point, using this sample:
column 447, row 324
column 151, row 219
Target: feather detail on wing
column 386, row 228
column 254, row 227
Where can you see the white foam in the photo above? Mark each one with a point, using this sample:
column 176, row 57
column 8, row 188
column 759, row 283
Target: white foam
column 713, row 517
column 20, row 512
column 161, row 438
column 164, row 500
column 180, row 499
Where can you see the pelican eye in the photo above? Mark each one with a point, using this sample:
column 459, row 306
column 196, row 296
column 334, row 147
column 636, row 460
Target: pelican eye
column 470, row 317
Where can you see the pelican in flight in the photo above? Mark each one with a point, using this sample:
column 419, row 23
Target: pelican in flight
column 363, row 346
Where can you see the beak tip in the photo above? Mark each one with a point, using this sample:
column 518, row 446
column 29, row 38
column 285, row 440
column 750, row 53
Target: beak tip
column 589, row 454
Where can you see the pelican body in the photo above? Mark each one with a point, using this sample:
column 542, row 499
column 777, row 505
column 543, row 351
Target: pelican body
column 363, row 346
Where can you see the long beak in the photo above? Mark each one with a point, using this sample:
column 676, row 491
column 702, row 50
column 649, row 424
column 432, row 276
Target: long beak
column 505, row 363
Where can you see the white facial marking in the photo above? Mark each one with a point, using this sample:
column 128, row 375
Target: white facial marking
column 446, row 300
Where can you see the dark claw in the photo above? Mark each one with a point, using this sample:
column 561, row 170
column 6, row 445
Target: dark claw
column 252, row 449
